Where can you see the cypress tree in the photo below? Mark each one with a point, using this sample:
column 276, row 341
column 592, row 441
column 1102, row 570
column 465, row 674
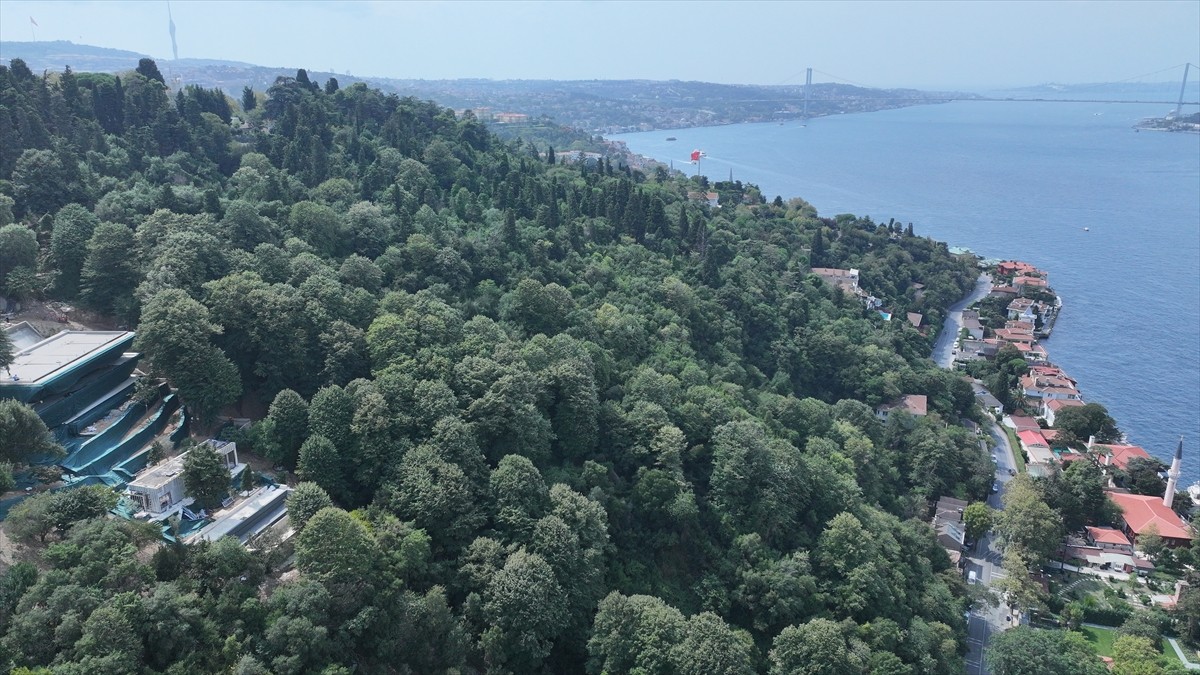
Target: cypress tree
column 817, row 255
column 248, row 101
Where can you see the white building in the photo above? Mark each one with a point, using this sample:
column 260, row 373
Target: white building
column 159, row 490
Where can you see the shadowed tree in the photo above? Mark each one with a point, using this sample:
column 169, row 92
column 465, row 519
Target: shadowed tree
column 205, row 478
column 304, row 502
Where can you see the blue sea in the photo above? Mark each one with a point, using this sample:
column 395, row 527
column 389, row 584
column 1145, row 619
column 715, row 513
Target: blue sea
column 1021, row 180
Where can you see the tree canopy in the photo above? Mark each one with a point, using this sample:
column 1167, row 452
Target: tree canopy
column 549, row 417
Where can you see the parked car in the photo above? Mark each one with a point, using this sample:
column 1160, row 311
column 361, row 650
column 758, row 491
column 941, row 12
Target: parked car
column 995, row 487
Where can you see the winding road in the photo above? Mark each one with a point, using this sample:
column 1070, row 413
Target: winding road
column 984, row 560
column 943, row 349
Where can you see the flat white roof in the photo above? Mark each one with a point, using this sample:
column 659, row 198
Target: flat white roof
column 157, row 476
column 265, row 507
column 42, row 360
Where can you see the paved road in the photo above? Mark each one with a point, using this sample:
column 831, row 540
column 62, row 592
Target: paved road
column 943, row 349
column 985, row 560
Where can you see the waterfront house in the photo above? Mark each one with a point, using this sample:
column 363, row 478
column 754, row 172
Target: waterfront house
column 1027, row 284
column 1012, row 268
column 1141, row 514
column 1015, row 336
column 1021, row 309
column 1052, row 406
column 1048, row 387
column 1033, row 353
column 1116, row 455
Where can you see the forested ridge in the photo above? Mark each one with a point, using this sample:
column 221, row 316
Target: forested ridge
column 547, row 418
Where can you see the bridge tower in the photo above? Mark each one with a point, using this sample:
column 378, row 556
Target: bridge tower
column 1182, row 87
column 807, row 86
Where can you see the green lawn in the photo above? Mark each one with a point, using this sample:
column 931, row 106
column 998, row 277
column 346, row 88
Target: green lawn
column 1102, row 640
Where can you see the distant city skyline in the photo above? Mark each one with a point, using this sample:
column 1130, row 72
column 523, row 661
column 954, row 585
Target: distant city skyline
column 876, row 44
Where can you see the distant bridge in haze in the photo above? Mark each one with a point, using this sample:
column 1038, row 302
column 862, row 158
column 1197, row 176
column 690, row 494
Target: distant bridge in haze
column 1179, row 103
column 934, row 99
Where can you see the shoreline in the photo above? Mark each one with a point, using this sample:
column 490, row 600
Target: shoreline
column 1038, row 337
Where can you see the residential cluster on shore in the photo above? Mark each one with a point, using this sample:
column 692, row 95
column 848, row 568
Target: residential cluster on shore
column 1019, row 311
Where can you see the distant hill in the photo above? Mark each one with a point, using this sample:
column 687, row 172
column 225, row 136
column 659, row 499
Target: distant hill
column 596, row 106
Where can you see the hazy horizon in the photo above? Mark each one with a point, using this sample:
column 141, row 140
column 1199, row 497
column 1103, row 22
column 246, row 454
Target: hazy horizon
column 928, row 45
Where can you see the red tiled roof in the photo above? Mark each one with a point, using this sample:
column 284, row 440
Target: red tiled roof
column 1031, row 438
column 1107, row 535
column 1057, row 404
column 915, row 404
column 1121, row 454
column 1142, row 511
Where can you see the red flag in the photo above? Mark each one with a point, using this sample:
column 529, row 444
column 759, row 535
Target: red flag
column 695, row 155
column 32, row 21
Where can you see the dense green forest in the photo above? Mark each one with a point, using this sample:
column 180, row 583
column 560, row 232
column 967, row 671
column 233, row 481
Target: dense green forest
column 547, row 418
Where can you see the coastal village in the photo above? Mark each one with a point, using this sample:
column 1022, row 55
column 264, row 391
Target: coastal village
column 1153, row 512
column 1010, row 323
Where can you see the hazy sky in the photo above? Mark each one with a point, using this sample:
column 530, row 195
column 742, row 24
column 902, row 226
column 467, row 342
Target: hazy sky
column 919, row 44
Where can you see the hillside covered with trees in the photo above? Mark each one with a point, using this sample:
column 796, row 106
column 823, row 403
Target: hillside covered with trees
column 546, row 418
